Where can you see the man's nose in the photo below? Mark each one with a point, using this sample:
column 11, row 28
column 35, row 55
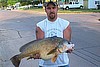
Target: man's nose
column 51, row 9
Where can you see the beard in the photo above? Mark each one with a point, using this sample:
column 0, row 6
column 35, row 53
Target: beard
column 52, row 15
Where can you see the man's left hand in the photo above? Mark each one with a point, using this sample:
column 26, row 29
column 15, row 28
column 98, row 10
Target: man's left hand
column 70, row 48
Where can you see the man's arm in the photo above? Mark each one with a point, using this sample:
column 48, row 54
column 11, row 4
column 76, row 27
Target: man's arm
column 39, row 33
column 67, row 36
column 67, row 33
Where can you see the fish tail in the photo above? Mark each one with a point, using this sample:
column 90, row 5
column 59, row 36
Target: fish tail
column 15, row 60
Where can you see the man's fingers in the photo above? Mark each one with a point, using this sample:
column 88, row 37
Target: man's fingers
column 37, row 56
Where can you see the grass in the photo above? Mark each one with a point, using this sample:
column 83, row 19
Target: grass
column 79, row 11
column 69, row 11
column 37, row 9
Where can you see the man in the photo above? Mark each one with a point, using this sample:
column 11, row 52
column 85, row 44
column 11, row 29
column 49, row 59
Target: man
column 54, row 26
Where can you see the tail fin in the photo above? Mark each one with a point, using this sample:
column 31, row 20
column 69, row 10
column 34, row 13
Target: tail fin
column 15, row 60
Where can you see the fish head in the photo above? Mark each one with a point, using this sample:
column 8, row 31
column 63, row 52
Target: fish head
column 62, row 46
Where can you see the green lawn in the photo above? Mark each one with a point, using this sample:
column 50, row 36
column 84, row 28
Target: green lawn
column 70, row 10
column 79, row 11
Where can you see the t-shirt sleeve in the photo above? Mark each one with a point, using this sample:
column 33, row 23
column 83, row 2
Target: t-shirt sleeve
column 65, row 23
column 40, row 25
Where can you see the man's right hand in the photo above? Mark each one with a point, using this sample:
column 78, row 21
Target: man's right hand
column 36, row 56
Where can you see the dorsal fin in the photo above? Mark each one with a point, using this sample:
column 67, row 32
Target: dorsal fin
column 27, row 45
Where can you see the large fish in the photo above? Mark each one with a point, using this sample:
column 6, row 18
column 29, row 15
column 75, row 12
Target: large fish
column 48, row 48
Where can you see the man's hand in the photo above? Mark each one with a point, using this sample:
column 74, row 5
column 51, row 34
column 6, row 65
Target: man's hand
column 70, row 48
column 36, row 56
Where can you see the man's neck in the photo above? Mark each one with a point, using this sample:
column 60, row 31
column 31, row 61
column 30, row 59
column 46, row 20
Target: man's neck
column 52, row 20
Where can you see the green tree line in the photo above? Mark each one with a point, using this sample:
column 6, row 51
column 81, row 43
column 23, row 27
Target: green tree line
column 5, row 3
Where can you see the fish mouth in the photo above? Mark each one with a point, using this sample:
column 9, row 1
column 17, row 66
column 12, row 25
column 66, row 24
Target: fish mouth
column 59, row 51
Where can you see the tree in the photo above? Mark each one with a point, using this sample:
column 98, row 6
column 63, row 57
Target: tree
column 3, row 3
column 25, row 2
column 12, row 2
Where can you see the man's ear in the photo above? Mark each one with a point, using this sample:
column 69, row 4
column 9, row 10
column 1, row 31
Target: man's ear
column 57, row 8
column 45, row 9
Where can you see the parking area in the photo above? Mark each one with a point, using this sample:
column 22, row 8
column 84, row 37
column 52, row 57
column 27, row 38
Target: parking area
column 18, row 28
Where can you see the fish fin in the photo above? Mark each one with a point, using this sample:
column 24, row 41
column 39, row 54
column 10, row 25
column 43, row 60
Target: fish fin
column 30, row 57
column 52, row 51
column 54, row 58
column 15, row 61
column 27, row 45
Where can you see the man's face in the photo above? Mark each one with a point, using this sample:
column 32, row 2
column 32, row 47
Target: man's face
column 51, row 11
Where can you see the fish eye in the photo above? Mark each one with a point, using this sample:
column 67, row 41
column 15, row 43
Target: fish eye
column 60, row 46
column 65, row 43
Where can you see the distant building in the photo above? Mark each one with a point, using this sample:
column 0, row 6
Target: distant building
column 91, row 4
column 17, row 5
